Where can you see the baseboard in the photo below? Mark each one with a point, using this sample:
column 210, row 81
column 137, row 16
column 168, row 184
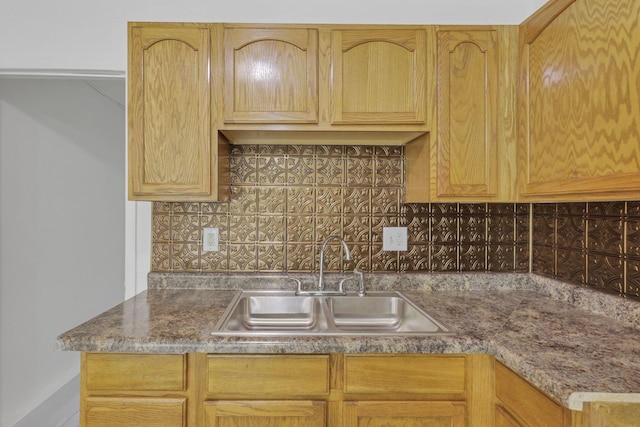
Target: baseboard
column 59, row 410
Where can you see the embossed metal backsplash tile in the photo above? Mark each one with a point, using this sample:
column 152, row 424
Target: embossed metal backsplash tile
column 594, row 244
column 287, row 199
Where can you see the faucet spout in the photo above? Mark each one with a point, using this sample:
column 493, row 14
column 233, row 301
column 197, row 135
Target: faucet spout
column 347, row 256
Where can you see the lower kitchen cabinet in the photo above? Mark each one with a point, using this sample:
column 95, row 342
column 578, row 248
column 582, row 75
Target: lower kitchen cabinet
column 518, row 403
column 134, row 390
column 337, row 390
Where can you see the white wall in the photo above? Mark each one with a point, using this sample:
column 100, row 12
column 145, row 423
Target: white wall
column 62, row 198
column 91, row 35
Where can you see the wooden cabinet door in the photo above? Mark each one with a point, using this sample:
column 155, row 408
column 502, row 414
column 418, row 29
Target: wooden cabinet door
column 579, row 102
column 265, row 413
column 524, row 401
column 271, row 75
column 170, row 130
column 379, row 76
column 401, row 414
column 467, row 162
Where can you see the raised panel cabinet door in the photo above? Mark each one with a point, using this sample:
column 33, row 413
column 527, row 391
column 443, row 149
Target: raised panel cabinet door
column 169, row 111
column 580, row 109
column 271, row 75
column 402, row 414
column 523, row 400
column 467, row 161
column 265, row 414
column 379, row 76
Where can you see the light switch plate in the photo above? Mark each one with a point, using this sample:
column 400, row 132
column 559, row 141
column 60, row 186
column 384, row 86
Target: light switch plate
column 394, row 239
column 210, row 238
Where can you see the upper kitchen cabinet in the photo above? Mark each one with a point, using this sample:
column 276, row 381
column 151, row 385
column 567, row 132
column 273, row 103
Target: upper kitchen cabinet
column 270, row 75
column 580, row 117
column 174, row 150
column 379, row 76
column 472, row 149
column 325, row 84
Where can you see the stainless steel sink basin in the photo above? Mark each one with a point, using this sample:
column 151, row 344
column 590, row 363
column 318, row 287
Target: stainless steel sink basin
column 287, row 312
column 258, row 313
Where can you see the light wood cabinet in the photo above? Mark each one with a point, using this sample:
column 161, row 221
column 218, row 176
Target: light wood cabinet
column 379, row 76
column 521, row 404
column 470, row 155
column 579, row 106
column 468, row 161
column 267, row 390
column 270, row 75
column 326, row 84
column 404, row 390
column 174, row 150
column 138, row 390
column 194, row 390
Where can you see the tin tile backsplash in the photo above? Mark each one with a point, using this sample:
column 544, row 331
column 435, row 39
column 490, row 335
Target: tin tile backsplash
column 287, row 199
column 595, row 244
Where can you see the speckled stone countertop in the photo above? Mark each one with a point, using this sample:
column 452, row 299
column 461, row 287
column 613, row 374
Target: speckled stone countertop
column 573, row 343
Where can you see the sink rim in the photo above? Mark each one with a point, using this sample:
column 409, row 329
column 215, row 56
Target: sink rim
column 324, row 324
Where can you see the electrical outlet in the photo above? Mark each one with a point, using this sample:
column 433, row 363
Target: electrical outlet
column 394, row 239
column 210, row 237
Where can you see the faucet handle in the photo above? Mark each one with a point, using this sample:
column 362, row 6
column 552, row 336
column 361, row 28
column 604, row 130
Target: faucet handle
column 357, row 275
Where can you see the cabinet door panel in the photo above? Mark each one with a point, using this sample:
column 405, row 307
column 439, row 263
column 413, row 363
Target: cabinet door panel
column 379, row 76
column 467, row 116
column 403, row 414
column 580, row 106
column 169, row 111
column 134, row 412
column 265, row 413
column 271, row 75
column 525, row 401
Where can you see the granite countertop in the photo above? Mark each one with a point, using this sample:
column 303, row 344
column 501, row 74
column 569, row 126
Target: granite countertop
column 573, row 343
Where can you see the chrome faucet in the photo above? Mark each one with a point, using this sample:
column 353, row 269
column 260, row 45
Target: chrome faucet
column 347, row 256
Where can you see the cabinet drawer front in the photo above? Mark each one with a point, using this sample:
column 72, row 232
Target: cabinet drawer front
column 414, row 413
column 263, row 413
column 134, row 412
column 404, row 374
column 525, row 401
column 139, row 372
column 262, row 375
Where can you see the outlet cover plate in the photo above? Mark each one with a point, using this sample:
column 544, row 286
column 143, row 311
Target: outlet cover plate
column 394, row 239
column 210, row 239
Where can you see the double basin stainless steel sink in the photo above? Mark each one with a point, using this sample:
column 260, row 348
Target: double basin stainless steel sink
column 271, row 313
